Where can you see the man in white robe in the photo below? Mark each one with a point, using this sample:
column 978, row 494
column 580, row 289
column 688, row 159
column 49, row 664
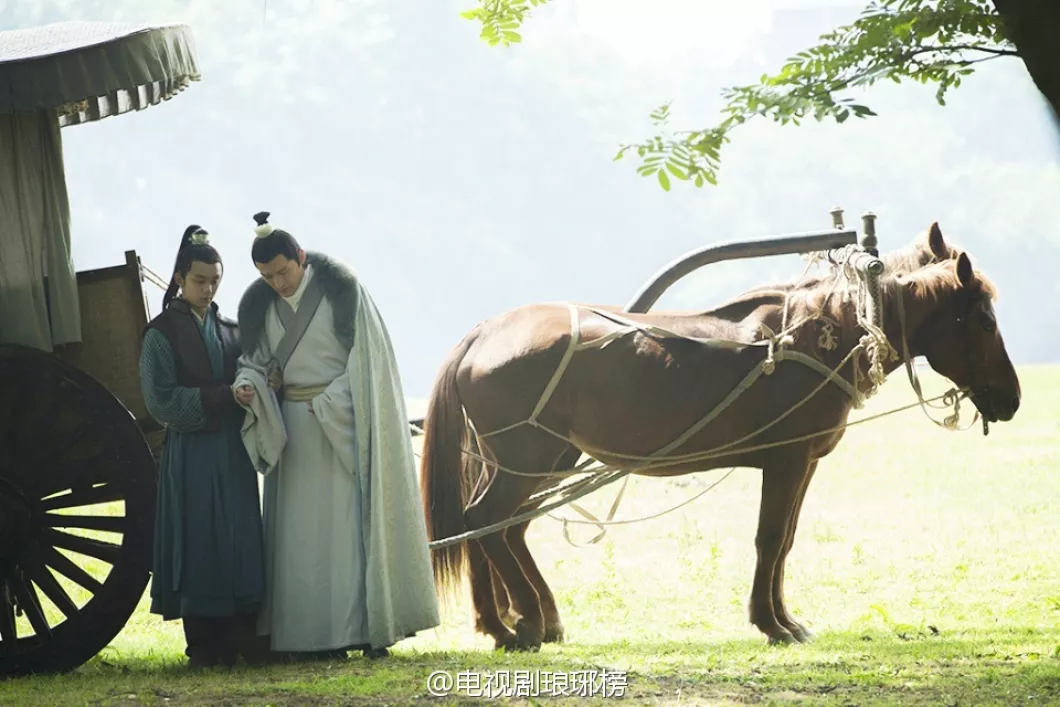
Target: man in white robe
column 347, row 559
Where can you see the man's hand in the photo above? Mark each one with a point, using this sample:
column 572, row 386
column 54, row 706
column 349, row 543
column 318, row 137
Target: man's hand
column 311, row 410
column 244, row 395
column 275, row 380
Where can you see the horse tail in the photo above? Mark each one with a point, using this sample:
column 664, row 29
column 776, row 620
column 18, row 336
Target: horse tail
column 443, row 482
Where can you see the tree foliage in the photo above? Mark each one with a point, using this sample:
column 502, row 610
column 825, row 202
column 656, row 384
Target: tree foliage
column 501, row 19
column 929, row 41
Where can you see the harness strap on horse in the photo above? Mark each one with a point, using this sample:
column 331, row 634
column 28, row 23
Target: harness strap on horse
column 572, row 346
column 874, row 343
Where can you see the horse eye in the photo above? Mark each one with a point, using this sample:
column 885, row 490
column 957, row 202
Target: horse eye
column 988, row 324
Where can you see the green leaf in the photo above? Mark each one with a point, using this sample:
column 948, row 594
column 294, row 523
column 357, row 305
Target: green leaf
column 664, row 181
column 676, row 171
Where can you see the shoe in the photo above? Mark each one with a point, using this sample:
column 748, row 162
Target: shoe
column 376, row 653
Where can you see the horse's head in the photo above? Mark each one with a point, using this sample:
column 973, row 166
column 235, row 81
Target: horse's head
column 961, row 339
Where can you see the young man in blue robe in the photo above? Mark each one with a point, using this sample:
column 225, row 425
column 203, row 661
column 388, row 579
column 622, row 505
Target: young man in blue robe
column 208, row 567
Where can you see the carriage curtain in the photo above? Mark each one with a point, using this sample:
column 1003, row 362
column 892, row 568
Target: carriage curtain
column 38, row 283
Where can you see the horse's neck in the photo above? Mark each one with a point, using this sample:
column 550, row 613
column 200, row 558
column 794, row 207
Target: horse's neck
column 766, row 305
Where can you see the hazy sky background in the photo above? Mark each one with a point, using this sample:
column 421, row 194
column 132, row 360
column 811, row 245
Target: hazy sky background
column 461, row 180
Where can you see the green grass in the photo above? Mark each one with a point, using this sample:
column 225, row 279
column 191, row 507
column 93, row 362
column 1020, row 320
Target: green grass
column 925, row 560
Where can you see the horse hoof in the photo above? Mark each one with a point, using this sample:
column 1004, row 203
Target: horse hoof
column 527, row 637
column 505, row 643
column 804, row 635
column 515, row 645
column 554, row 634
column 782, row 639
column 525, row 646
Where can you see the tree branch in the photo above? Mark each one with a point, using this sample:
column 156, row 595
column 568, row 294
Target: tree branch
column 921, row 40
column 993, row 51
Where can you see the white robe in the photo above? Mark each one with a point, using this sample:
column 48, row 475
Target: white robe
column 318, row 541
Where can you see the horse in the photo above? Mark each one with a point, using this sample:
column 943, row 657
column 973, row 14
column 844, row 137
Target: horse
column 650, row 388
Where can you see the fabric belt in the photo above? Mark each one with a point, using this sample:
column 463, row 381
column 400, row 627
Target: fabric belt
column 302, row 394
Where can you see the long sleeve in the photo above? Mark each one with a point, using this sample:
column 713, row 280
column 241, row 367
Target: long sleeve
column 257, row 360
column 179, row 407
column 335, row 410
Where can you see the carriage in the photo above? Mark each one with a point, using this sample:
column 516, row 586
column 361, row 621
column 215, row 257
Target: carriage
column 79, row 449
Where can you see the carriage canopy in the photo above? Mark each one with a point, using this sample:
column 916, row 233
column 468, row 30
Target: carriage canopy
column 51, row 77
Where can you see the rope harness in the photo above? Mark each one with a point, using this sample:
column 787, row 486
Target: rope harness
column 873, row 345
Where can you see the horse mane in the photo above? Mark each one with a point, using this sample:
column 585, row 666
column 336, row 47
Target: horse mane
column 833, row 298
column 940, row 280
column 901, row 260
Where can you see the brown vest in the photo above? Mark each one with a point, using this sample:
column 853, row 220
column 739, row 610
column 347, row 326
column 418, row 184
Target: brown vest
column 180, row 327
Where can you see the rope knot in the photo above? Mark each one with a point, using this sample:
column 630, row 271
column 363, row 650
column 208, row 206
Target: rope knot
column 772, row 339
column 952, row 397
column 827, row 340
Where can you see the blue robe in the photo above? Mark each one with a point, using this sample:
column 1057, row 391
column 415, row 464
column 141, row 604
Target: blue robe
column 208, row 556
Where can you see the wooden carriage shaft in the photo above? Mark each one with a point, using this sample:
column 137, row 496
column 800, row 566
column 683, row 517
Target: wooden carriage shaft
column 791, row 244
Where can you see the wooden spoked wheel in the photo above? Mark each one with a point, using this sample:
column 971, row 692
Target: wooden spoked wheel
column 77, row 495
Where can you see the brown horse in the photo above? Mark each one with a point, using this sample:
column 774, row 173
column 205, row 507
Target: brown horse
column 647, row 389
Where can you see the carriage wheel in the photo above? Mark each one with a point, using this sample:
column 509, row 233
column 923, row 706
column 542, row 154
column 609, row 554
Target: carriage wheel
column 77, row 492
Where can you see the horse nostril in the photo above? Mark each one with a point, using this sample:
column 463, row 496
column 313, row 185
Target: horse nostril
column 1015, row 404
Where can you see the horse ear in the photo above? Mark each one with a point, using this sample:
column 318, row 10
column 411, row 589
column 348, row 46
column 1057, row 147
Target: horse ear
column 937, row 243
column 965, row 274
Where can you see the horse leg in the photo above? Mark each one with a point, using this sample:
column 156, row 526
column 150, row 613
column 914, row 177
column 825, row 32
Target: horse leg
column 504, row 496
column 486, row 585
column 781, row 480
column 516, row 535
column 800, row 632
column 517, row 542
column 501, row 599
column 483, row 590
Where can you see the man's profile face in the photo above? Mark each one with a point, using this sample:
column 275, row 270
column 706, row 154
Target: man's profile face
column 283, row 274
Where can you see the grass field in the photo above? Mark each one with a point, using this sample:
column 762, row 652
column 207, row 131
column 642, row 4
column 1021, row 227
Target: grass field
column 925, row 560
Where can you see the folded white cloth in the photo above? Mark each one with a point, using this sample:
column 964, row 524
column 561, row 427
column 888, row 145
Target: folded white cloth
column 263, row 431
